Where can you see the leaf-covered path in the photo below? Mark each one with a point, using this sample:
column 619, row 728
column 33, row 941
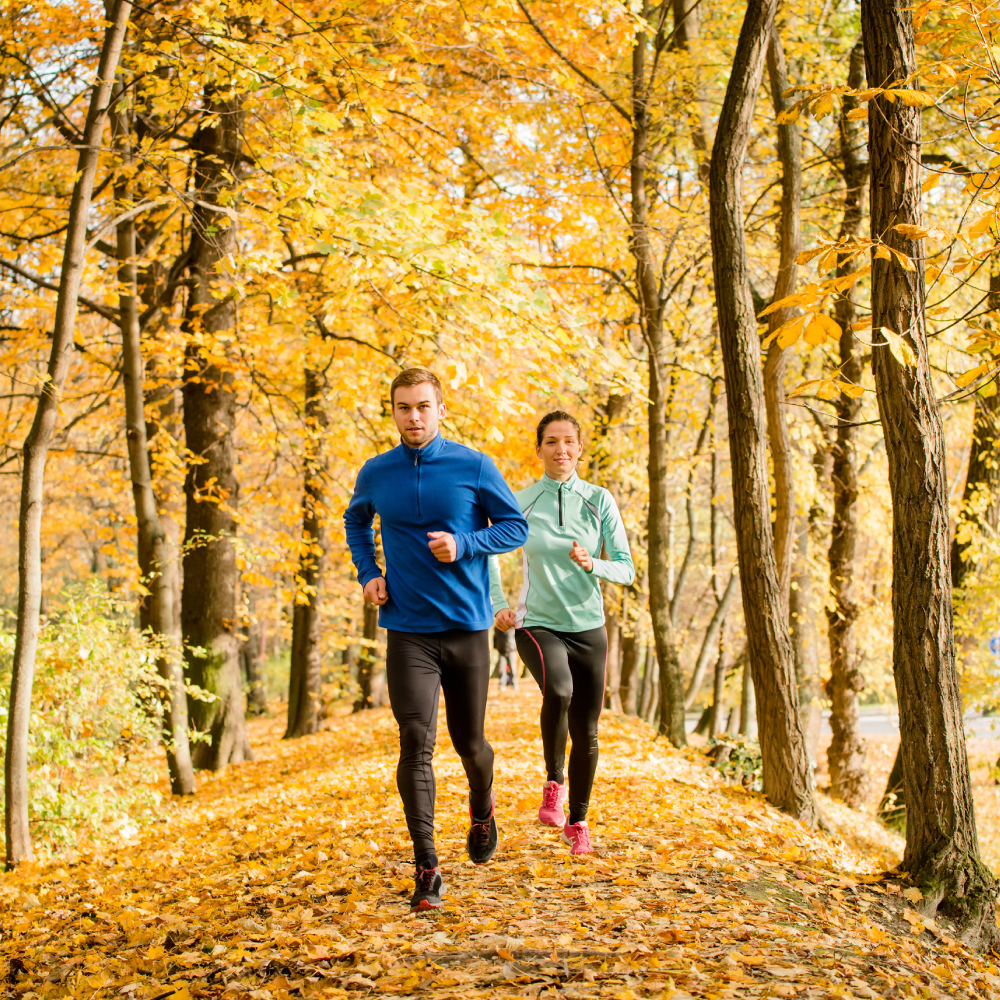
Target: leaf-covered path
column 290, row 876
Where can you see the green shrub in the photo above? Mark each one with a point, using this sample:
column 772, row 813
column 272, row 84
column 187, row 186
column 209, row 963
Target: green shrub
column 738, row 759
column 95, row 706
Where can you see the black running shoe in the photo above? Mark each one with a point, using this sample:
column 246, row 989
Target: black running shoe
column 429, row 890
column 483, row 837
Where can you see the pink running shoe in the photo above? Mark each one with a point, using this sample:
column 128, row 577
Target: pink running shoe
column 577, row 835
column 553, row 797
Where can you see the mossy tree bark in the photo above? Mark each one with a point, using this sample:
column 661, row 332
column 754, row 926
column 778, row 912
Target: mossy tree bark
column 942, row 846
column 787, row 777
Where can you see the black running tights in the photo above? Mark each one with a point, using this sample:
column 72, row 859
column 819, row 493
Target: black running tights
column 418, row 667
column 569, row 668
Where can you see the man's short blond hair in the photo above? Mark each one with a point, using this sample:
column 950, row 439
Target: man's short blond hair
column 415, row 376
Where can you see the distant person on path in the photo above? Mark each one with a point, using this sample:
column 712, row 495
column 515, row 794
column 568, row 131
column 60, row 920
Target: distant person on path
column 503, row 643
column 444, row 509
column 560, row 615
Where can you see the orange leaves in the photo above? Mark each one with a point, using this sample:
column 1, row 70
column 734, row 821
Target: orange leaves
column 697, row 885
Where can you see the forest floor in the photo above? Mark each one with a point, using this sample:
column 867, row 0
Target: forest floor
column 291, row 875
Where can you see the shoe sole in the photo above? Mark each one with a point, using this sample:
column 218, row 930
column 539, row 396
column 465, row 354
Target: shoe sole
column 424, row 905
column 557, row 825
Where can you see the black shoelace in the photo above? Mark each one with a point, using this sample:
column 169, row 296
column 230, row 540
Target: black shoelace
column 425, row 879
column 481, row 829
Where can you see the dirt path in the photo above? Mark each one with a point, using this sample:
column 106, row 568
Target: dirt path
column 290, row 876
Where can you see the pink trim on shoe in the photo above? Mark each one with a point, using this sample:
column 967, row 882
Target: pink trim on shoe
column 551, row 812
column 577, row 836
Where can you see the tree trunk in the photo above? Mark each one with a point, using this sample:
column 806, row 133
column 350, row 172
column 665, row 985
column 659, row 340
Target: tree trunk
column 984, row 467
column 846, row 754
column 631, row 649
column 655, row 675
column 942, row 847
column 687, row 29
column 157, row 559
column 613, row 670
column 250, row 657
column 305, row 680
column 802, row 621
column 787, row 776
column 748, row 704
column 717, row 722
column 709, row 641
column 650, row 674
column 790, row 157
column 208, row 599
column 892, row 808
column 371, row 667
column 36, row 446
column 671, row 722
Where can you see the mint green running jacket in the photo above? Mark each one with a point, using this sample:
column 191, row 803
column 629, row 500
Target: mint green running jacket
column 558, row 594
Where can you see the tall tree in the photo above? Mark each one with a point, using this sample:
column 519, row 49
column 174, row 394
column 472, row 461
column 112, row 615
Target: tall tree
column 208, row 600
column 787, row 780
column 157, row 558
column 304, row 689
column 789, row 144
column 36, row 445
column 846, row 754
column 654, row 279
column 942, row 846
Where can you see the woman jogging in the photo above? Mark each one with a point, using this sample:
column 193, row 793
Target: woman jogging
column 560, row 615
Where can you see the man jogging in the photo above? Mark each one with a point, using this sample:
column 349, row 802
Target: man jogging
column 444, row 510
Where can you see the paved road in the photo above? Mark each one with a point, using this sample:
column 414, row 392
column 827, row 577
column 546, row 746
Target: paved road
column 887, row 724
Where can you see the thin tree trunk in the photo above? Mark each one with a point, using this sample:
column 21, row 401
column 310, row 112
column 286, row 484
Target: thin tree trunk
column 630, row 663
column 748, row 704
column 786, row 771
column 892, row 808
column 654, row 709
column 371, row 667
column 36, row 446
column 208, row 599
column 671, row 722
column 687, row 30
column 157, row 560
column 677, row 588
column 942, row 846
column 846, row 754
column 250, row 657
column 716, row 722
column 984, row 465
column 802, row 622
column 613, row 669
column 790, row 157
column 710, row 640
column 305, row 680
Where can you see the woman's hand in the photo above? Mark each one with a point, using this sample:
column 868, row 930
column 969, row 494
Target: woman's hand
column 581, row 557
column 504, row 619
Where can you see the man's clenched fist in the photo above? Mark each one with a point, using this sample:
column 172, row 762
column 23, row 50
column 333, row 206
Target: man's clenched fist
column 443, row 546
column 375, row 592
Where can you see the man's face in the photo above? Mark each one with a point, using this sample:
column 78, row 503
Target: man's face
column 417, row 413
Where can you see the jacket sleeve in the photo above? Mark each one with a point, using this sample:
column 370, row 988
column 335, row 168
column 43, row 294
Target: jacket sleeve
column 358, row 520
column 496, row 587
column 618, row 567
column 508, row 530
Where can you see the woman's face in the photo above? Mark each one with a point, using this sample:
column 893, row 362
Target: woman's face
column 560, row 449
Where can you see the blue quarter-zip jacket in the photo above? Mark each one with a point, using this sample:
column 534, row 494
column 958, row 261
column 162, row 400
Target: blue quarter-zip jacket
column 443, row 486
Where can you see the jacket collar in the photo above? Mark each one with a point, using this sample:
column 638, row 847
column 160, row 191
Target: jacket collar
column 428, row 451
column 552, row 485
